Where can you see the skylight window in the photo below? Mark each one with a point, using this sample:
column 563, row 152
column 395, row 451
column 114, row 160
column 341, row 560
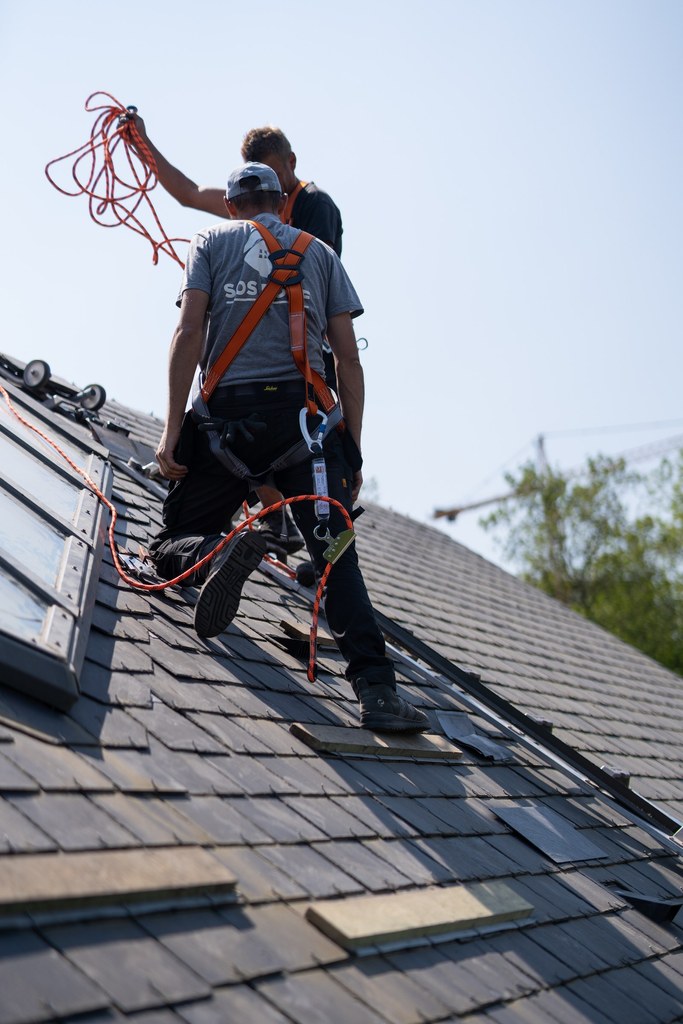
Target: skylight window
column 50, row 551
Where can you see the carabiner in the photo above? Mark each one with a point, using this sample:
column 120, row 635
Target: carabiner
column 315, row 440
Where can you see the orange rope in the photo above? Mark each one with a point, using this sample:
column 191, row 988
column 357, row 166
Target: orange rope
column 247, row 524
column 99, row 173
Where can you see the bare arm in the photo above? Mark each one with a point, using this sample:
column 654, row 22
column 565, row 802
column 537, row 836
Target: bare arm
column 186, row 348
column 350, row 380
column 177, row 184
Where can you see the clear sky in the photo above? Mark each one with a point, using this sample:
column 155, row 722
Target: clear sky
column 509, row 174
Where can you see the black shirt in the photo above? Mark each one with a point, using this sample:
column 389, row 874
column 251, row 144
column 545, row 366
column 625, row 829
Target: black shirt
column 315, row 212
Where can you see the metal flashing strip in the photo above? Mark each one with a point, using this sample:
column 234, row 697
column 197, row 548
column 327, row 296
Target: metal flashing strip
column 473, row 685
column 549, row 832
column 397, row 919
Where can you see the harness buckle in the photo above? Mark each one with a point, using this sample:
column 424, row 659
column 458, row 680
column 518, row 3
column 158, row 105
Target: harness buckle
column 294, row 270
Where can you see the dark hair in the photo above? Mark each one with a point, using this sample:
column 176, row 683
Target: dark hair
column 257, row 202
column 262, row 142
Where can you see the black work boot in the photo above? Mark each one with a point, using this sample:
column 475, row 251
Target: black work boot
column 219, row 598
column 382, row 710
column 281, row 533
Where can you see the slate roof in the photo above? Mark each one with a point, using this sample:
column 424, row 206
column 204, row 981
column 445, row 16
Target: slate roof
column 162, row 841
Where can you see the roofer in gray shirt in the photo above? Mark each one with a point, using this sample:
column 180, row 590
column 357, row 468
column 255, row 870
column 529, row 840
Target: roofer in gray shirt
column 260, row 414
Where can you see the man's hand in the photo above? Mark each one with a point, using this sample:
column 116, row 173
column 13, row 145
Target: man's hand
column 168, row 467
column 356, row 485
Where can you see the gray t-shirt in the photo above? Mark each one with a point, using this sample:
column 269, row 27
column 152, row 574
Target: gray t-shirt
column 230, row 262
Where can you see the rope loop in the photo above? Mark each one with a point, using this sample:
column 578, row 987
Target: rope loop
column 116, row 170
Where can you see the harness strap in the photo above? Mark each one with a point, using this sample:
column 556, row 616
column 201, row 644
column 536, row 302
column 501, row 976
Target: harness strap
column 291, row 199
column 284, row 268
column 316, row 388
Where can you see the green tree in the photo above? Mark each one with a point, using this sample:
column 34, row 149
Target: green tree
column 608, row 543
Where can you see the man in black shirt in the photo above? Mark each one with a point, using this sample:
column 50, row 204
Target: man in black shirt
column 308, row 207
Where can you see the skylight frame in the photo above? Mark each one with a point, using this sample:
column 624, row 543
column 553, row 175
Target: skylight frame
column 47, row 665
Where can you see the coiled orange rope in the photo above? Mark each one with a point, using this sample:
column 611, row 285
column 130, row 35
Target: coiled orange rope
column 116, row 171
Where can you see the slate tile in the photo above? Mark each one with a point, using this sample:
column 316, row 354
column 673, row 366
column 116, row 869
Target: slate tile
column 314, row 873
column 392, row 777
column 660, row 973
column 147, row 765
column 246, row 775
column 260, row 881
column 297, row 776
column 379, row 820
column 660, row 938
column 612, row 999
column 55, row 768
column 175, row 730
column 230, row 732
column 153, row 822
column 550, row 901
column 121, row 774
column 560, row 1007
column 276, row 819
column 315, row 997
column 237, row 1004
column 238, row 944
column 412, row 861
column 109, row 1016
column 498, row 979
column 193, row 773
column 224, row 822
column 73, row 821
column 272, row 677
column 152, row 1017
column 467, row 857
column 121, row 626
column 188, row 695
column 566, row 944
column 20, row 713
column 121, row 599
column 418, row 815
column 520, row 856
column 360, row 862
column 440, row 978
column 330, row 817
column 390, row 994
column 531, row 958
column 127, row 963
column 13, row 779
column 118, row 655
column 109, row 726
column 18, row 834
column 275, row 736
column 114, row 688
column 37, row 983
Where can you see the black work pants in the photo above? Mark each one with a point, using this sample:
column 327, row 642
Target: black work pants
column 199, row 508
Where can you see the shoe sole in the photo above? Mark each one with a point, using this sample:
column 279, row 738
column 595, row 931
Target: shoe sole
column 378, row 722
column 220, row 596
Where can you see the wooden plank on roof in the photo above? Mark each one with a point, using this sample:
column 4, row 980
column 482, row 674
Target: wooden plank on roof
column 60, row 881
column 342, row 740
column 399, row 918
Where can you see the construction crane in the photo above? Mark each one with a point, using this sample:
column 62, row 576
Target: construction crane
column 639, row 454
